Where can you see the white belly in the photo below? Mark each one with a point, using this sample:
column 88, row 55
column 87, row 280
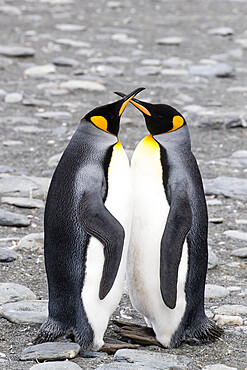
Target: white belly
column 148, row 223
column 119, row 203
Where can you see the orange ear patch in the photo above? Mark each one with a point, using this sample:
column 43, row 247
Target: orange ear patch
column 177, row 122
column 100, row 122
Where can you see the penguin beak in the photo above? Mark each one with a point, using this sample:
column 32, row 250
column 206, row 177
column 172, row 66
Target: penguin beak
column 137, row 103
column 127, row 98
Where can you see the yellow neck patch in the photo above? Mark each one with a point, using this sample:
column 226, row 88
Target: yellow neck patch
column 177, row 123
column 149, row 144
column 100, row 122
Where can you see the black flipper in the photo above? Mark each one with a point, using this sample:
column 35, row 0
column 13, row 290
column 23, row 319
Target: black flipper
column 100, row 223
column 177, row 227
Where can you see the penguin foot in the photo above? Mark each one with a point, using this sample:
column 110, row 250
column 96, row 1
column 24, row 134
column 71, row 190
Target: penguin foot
column 136, row 333
column 208, row 331
column 48, row 332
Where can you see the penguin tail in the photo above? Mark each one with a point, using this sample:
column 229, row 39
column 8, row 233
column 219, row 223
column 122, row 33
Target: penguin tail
column 48, row 332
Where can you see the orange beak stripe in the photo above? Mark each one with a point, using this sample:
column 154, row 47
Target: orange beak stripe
column 143, row 109
column 124, row 105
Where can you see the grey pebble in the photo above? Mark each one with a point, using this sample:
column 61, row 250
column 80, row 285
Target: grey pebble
column 7, row 255
column 152, row 359
column 6, row 169
column 11, row 292
column 13, row 98
column 11, row 143
column 147, row 71
column 234, row 309
column 242, row 42
column 210, row 70
column 31, row 242
column 83, row 85
column 170, row 41
column 176, row 62
column 25, row 312
column 215, row 291
column 219, row 367
column 29, row 129
column 2, row 93
column 50, row 351
column 65, row 62
column 24, row 186
column 232, row 187
column 124, row 366
column 236, row 234
column 151, row 62
column 23, row 202
column 214, row 202
column 73, row 43
column 241, row 252
column 10, row 10
column 216, row 220
column 56, row 365
column 32, row 102
column 70, row 27
column 221, row 31
column 17, row 51
column 104, row 70
column 14, row 120
column 13, row 219
column 212, row 259
column 239, row 153
column 40, row 70
column 53, row 115
column 53, row 161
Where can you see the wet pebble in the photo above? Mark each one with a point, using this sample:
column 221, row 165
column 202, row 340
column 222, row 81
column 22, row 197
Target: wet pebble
column 7, row 255
column 40, row 70
column 13, row 98
column 25, row 312
column 50, row 351
column 152, row 359
column 232, row 187
column 65, row 62
column 31, row 242
column 13, row 219
column 215, row 291
column 17, row 51
column 83, row 85
column 32, row 102
column 23, row 202
column 229, row 320
column 241, row 252
column 221, row 31
column 219, row 367
column 170, row 41
column 56, row 365
column 236, row 234
column 211, row 70
column 216, row 220
column 11, row 292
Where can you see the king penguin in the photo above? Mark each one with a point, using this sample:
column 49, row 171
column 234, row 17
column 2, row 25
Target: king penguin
column 87, row 225
column 168, row 251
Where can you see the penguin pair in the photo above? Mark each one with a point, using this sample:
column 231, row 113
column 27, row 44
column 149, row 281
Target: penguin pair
column 88, row 227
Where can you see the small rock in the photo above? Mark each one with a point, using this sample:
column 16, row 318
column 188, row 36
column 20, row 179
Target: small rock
column 11, row 292
column 24, row 186
column 212, row 259
column 236, row 234
column 230, row 320
column 123, row 38
column 73, row 43
column 31, row 242
column 14, row 120
column 6, row 169
column 25, row 312
column 114, row 4
column 215, row 291
column 235, row 309
column 7, row 255
column 2, row 93
column 210, row 70
column 56, row 365
column 241, row 252
column 170, row 41
column 37, row 71
column 13, row 98
column 147, row 71
column 83, row 85
column 103, row 70
column 65, row 62
column 151, row 62
column 29, row 129
column 173, row 62
column 240, row 153
column 10, row 10
column 13, row 219
column 214, row 202
column 174, row 72
column 12, row 143
column 152, row 359
column 238, row 89
column 23, row 202
column 54, row 115
column 221, row 31
column 242, row 42
column 228, row 186
column 32, row 102
column 125, row 366
column 53, row 161
column 70, row 27
column 50, row 351
column 216, row 220
column 219, row 367
column 16, row 51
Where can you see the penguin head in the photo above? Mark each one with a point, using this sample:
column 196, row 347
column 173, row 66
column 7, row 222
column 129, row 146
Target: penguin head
column 107, row 117
column 160, row 118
